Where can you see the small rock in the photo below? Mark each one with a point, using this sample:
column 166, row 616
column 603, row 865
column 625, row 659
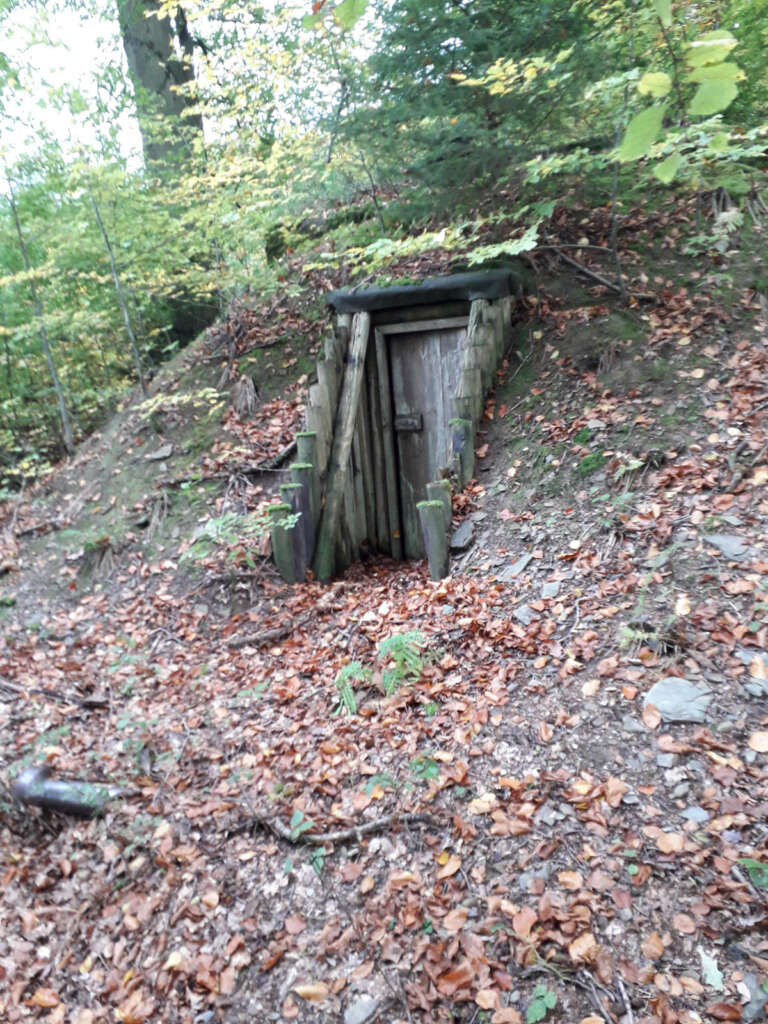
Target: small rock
column 681, row 790
column 596, row 424
column 511, row 571
column 755, row 1008
column 361, row 1010
column 547, row 815
column 162, row 453
column 550, row 589
column 666, row 760
column 525, row 614
column 695, row 813
column 678, row 700
column 463, row 536
column 630, row 798
column 631, row 724
column 728, row 544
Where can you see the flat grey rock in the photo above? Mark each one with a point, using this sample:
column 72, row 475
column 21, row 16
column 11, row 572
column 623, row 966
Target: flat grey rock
column 463, row 536
column 755, row 1008
column 666, row 760
column 550, row 589
column 695, row 813
column 525, row 614
column 514, row 570
column 678, row 700
column 630, row 724
column 757, row 687
column 728, row 544
column 162, row 453
column 361, row 1010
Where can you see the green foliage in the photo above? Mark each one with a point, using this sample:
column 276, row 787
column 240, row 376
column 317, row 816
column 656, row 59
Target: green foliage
column 406, row 652
column 299, row 824
column 757, row 871
column 544, row 1000
column 353, row 671
column 232, row 532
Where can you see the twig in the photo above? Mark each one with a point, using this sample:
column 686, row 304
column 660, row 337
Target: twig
column 267, row 636
column 343, row 835
column 585, row 270
column 625, row 1000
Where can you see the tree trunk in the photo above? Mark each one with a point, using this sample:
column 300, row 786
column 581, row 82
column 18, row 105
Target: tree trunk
column 159, row 55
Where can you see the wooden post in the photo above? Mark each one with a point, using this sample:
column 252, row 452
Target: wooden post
column 342, row 442
column 440, row 490
column 328, row 382
column 471, row 386
column 304, row 473
column 462, row 437
column 432, row 518
column 383, row 539
column 316, row 425
column 303, row 533
column 306, row 447
column 388, row 443
column 282, row 542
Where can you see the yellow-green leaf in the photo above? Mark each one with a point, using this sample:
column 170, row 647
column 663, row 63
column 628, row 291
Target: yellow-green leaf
column 712, row 97
column 724, row 72
column 641, row 133
column 711, row 48
column 664, row 10
column 667, row 169
column 654, row 83
column 719, row 144
column 349, row 11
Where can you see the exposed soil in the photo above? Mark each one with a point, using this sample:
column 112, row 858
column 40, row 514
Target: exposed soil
column 579, row 858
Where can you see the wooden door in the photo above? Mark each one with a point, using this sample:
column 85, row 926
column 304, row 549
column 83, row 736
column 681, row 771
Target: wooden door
column 424, row 368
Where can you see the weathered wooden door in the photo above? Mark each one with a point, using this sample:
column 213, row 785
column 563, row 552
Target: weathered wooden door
column 424, row 370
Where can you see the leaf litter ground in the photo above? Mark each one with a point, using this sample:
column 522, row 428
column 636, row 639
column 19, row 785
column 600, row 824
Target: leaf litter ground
column 541, row 843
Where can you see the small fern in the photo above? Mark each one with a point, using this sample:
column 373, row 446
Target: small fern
column 406, row 651
column 353, row 671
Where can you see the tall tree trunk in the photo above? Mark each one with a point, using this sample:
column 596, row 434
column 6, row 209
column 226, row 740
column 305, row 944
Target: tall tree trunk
column 37, row 305
column 159, row 55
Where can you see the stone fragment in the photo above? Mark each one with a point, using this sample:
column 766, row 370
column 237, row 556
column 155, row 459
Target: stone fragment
column 463, row 536
column 525, row 614
column 361, row 1010
column 695, row 813
column 728, row 544
column 678, row 700
column 514, row 570
column 550, row 589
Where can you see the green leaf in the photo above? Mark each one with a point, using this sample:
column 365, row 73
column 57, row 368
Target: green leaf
column 712, row 97
column 311, row 21
column 664, row 10
column 349, row 11
column 757, row 870
column 641, row 133
column 725, row 72
column 667, row 169
column 719, row 144
column 654, row 83
column 711, row 48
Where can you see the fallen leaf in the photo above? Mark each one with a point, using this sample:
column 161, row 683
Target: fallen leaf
column 524, row 921
column 652, row 946
column 758, row 668
column 651, row 716
column 450, row 867
column 455, row 919
column 482, row 451
column 506, row 1016
column 483, row 804
column 683, row 605
column 684, row 924
column 459, row 977
column 295, row 924
column 45, row 997
column 211, row 899
column 314, row 991
column 546, row 732
column 759, row 741
column 590, row 687
column 724, row 1011
column 670, row 842
column 571, row 880
column 488, row 999
column 583, row 949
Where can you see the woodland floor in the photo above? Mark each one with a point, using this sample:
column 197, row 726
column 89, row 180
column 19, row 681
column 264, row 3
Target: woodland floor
column 543, row 844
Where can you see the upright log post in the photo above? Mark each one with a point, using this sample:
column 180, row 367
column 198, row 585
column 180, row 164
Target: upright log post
column 432, row 519
column 338, row 466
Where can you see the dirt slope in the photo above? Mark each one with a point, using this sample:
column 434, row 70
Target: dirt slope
column 544, row 838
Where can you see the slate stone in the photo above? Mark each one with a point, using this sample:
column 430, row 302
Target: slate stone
column 755, row 1008
column 550, row 589
column 361, row 1010
column 678, row 700
column 525, row 614
column 463, row 536
column 162, row 453
column 695, row 813
column 728, row 544
column 666, row 760
column 630, row 724
column 514, row 570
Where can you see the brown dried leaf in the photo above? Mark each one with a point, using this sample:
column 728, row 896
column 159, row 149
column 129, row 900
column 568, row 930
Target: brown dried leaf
column 651, row 716
column 314, row 991
column 652, row 946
